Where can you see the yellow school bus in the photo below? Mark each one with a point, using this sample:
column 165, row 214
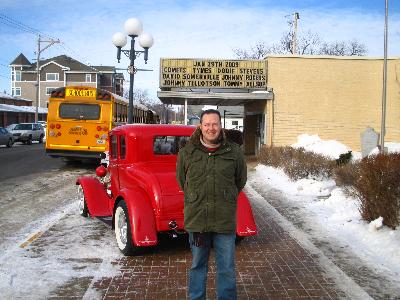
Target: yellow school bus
column 79, row 118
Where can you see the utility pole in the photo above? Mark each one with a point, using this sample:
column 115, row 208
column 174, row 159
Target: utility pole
column 385, row 40
column 296, row 17
column 50, row 43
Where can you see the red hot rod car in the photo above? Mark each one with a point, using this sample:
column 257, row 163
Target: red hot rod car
column 141, row 193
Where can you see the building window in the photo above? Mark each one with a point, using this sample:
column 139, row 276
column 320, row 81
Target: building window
column 16, row 76
column 49, row 90
column 88, row 77
column 52, row 76
column 235, row 122
column 16, row 91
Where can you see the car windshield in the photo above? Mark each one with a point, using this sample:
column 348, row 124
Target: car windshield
column 79, row 111
column 164, row 145
column 23, row 127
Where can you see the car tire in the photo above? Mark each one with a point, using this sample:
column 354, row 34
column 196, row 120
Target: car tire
column 123, row 232
column 10, row 143
column 82, row 206
column 29, row 140
column 41, row 139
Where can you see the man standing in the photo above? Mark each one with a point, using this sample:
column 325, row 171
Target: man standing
column 211, row 171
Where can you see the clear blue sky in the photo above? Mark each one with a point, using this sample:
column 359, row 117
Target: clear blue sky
column 183, row 28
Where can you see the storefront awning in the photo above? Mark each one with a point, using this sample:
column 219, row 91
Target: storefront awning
column 209, row 98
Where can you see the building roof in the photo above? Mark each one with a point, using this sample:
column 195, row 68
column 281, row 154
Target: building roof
column 6, row 96
column 66, row 61
column 104, row 68
column 63, row 61
column 20, row 60
column 26, row 109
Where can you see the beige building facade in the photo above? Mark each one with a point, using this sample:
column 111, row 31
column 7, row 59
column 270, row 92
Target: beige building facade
column 334, row 97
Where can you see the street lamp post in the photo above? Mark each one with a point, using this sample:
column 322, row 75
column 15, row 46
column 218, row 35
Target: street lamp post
column 133, row 27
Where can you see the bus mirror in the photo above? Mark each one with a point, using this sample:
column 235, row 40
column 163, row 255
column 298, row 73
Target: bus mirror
column 103, row 155
column 101, row 171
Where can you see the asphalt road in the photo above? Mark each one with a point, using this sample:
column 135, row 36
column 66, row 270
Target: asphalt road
column 21, row 160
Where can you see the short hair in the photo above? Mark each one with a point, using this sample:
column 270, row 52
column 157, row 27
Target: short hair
column 208, row 112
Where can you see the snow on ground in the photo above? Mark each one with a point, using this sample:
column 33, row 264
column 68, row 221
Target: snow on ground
column 335, row 213
column 70, row 248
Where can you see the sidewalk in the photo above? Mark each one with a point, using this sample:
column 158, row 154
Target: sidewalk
column 278, row 263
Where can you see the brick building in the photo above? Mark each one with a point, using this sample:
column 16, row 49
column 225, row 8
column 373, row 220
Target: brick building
column 334, row 97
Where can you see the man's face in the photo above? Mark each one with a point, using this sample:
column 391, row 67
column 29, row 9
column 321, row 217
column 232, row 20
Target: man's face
column 210, row 128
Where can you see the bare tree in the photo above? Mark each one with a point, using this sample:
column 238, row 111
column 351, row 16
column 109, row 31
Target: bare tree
column 142, row 96
column 342, row 48
column 308, row 43
column 354, row 47
column 258, row 51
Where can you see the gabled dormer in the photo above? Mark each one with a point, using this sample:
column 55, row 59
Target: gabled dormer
column 20, row 61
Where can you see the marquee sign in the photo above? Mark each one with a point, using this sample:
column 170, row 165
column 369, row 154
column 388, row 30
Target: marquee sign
column 213, row 74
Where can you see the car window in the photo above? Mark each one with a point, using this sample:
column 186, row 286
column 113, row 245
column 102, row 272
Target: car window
column 164, row 145
column 23, row 127
column 122, row 147
column 114, row 147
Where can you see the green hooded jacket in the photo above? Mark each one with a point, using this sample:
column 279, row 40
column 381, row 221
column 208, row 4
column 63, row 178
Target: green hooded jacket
column 211, row 183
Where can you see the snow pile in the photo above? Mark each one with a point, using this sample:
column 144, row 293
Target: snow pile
column 313, row 143
column 330, row 212
column 376, row 224
column 391, row 147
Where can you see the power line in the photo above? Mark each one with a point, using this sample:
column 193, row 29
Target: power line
column 4, row 19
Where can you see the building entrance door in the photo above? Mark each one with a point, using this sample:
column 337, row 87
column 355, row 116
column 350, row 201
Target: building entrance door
column 254, row 133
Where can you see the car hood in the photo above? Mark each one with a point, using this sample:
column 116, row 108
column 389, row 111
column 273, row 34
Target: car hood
column 165, row 175
column 20, row 131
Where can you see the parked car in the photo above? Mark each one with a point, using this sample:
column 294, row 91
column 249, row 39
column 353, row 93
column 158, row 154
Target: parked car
column 11, row 127
column 43, row 123
column 6, row 138
column 139, row 190
column 28, row 132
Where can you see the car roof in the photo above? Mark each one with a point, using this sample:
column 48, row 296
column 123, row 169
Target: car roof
column 154, row 129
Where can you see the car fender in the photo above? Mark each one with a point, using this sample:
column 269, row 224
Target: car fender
column 141, row 217
column 96, row 197
column 245, row 224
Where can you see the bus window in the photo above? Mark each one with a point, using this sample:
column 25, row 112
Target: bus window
column 79, row 111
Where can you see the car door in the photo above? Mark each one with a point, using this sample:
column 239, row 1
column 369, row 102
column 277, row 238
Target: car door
column 114, row 164
column 36, row 131
column 3, row 136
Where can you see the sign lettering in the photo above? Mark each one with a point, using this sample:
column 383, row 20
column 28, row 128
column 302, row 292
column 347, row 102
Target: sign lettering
column 202, row 73
column 80, row 93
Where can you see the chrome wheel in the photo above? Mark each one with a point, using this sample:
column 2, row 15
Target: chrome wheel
column 123, row 233
column 121, row 228
column 82, row 207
